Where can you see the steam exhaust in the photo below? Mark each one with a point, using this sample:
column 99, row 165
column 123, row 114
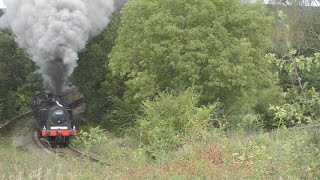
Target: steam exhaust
column 54, row 31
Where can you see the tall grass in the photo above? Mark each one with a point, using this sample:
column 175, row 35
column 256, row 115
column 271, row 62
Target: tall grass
column 280, row 155
column 283, row 154
column 18, row 163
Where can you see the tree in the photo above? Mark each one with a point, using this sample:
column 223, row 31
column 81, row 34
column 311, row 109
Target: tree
column 216, row 46
column 302, row 18
column 297, row 28
column 102, row 91
column 301, row 97
column 18, row 79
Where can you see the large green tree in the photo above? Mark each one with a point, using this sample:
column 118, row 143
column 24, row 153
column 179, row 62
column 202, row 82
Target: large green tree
column 18, row 79
column 216, row 46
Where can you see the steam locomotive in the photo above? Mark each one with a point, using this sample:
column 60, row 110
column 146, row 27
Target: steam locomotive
column 53, row 118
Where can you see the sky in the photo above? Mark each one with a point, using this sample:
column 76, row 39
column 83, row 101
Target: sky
column 1, row 4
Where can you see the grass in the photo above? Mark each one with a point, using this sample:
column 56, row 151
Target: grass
column 18, row 164
column 283, row 154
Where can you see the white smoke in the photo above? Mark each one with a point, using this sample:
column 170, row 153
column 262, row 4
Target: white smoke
column 54, row 31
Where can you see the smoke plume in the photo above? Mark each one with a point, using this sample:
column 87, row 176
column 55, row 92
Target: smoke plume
column 120, row 3
column 54, row 31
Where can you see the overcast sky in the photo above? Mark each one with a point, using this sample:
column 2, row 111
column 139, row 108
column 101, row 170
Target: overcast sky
column 1, row 4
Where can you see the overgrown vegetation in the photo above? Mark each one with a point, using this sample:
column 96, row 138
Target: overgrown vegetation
column 164, row 48
column 185, row 89
column 170, row 120
column 16, row 163
column 286, row 153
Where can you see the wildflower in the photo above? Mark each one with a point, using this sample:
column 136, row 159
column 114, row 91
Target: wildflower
column 196, row 147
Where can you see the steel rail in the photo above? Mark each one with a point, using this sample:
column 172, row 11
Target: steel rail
column 80, row 153
column 41, row 143
column 14, row 120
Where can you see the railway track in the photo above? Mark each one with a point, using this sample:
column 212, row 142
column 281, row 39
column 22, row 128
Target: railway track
column 64, row 151
column 6, row 126
column 91, row 158
column 74, row 101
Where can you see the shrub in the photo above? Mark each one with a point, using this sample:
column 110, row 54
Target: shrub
column 299, row 108
column 95, row 136
column 171, row 119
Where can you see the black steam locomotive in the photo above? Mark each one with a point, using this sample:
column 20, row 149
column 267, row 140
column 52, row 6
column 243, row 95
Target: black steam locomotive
column 53, row 119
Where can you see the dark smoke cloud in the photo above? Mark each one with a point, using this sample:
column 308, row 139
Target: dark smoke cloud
column 54, row 31
column 57, row 79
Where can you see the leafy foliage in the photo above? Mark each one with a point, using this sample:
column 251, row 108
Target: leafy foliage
column 95, row 136
column 302, row 99
column 298, row 76
column 18, row 79
column 102, row 90
column 170, row 120
column 216, row 46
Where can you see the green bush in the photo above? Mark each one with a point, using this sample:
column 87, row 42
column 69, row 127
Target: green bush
column 95, row 136
column 297, row 109
column 271, row 96
column 171, row 119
